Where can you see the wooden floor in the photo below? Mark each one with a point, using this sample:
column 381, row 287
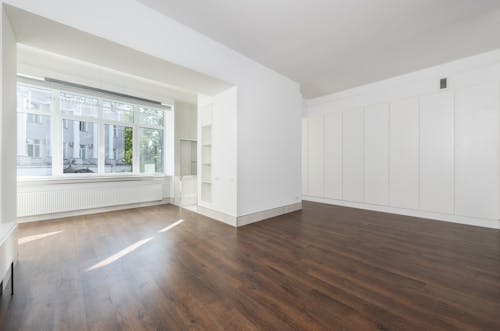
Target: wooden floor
column 323, row 268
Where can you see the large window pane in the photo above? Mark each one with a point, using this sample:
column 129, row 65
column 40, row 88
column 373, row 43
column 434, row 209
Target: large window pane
column 80, row 148
column 34, row 157
column 118, row 148
column 117, row 111
column 151, row 150
column 77, row 105
column 150, row 116
column 33, row 99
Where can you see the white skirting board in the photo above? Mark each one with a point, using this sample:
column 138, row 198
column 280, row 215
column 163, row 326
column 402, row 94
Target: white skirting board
column 250, row 218
column 8, row 253
column 487, row 223
column 270, row 213
column 216, row 215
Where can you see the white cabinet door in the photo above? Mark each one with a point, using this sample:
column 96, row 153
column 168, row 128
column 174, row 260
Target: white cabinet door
column 377, row 154
column 476, row 168
column 436, row 152
column 333, row 155
column 404, row 154
column 352, row 155
column 316, row 155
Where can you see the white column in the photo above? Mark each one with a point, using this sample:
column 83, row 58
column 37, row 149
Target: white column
column 95, row 136
column 21, row 135
column 76, row 139
column 111, row 137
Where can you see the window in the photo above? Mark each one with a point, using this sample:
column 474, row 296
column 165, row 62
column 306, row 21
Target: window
column 33, row 147
column 81, row 152
column 92, row 135
column 34, row 99
column 34, row 118
column 83, row 127
column 148, row 116
column 117, row 111
column 119, row 149
column 34, row 157
column 78, row 105
column 151, row 150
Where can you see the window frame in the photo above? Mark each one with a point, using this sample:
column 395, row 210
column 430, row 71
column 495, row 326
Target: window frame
column 57, row 121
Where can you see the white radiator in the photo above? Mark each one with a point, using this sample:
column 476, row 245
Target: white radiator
column 55, row 198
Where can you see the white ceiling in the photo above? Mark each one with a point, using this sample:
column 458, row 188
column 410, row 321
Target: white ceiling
column 332, row 45
column 178, row 82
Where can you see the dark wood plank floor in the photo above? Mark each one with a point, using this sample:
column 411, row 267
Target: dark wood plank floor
column 323, row 268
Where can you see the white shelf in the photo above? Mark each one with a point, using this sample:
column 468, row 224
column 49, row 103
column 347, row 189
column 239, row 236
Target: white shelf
column 206, row 161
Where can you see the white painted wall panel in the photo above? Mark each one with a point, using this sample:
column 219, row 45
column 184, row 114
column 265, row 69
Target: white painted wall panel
column 316, row 155
column 404, row 153
column 440, row 149
column 353, row 154
column 436, row 152
column 377, row 154
column 305, row 156
column 476, row 178
column 333, row 155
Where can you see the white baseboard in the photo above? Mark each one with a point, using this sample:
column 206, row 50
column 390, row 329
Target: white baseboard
column 488, row 223
column 8, row 254
column 216, row 215
column 265, row 214
column 250, row 218
column 46, row 217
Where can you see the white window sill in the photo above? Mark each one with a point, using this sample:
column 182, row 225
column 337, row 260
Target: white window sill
column 72, row 179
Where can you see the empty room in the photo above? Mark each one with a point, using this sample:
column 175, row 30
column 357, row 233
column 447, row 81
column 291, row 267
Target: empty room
column 250, row 165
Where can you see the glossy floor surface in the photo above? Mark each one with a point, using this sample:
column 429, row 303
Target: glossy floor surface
column 323, row 268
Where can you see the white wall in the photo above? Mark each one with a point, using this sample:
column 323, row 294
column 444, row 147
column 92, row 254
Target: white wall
column 268, row 108
column 39, row 63
column 403, row 145
column 8, row 248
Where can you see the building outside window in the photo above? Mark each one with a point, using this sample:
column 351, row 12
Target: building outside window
column 80, row 157
column 33, row 147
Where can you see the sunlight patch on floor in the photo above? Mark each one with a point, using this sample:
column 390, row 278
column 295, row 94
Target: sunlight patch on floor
column 120, row 254
column 171, row 226
column 34, row 237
